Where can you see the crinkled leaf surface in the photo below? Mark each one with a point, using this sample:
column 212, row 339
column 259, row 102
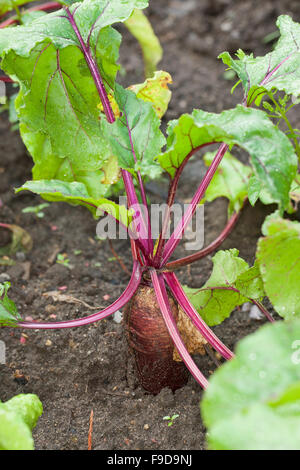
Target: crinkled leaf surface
column 76, row 194
column 227, row 267
column 260, row 427
column 278, row 255
column 29, row 17
column 57, row 103
column 272, row 155
column 140, row 27
column 231, row 180
column 155, row 90
column 135, row 132
column 229, row 270
column 185, row 135
column 49, row 166
column 18, row 416
column 250, row 283
column 257, row 191
column 280, row 69
column 253, row 401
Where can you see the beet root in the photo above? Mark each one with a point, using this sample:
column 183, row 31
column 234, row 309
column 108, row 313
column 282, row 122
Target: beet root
column 151, row 344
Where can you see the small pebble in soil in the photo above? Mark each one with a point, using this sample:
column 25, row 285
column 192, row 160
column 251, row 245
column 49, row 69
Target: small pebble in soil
column 146, row 426
column 29, row 318
column 48, row 342
column 255, row 313
column 246, row 307
column 226, row 26
column 20, row 255
column 118, row 316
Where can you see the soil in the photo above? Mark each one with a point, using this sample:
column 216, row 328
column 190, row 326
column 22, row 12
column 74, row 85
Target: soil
column 75, row 371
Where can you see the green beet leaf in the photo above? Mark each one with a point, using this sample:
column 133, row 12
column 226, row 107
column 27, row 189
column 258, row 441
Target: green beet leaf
column 57, row 106
column 140, row 27
column 272, row 156
column 278, row 255
column 215, row 300
column 253, row 401
column 18, row 416
column 231, row 180
column 77, row 194
column 9, row 315
column 8, row 5
column 155, row 90
column 49, row 166
column 250, row 283
column 280, row 69
column 29, row 17
column 135, row 134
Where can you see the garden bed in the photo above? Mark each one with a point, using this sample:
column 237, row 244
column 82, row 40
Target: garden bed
column 74, row 371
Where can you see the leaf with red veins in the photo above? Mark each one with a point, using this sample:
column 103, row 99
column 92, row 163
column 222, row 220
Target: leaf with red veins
column 279, row 69
column 135, row 137
column 57, row 104
column 272, row 156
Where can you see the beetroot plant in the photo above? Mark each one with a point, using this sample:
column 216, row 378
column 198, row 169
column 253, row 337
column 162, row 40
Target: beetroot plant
column 85, row 131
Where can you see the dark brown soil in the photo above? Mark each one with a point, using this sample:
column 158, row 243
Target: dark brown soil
column 75, row 371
